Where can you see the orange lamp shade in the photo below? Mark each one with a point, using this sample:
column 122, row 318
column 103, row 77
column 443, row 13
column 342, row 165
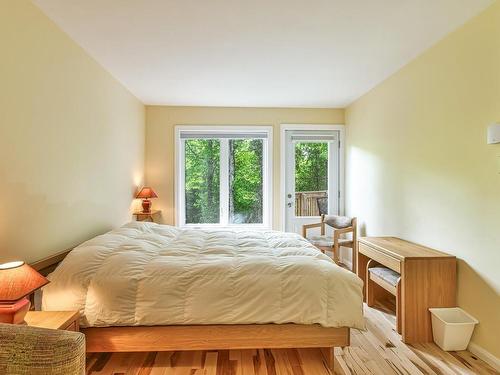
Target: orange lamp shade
column 17, row 280
column 146, row 193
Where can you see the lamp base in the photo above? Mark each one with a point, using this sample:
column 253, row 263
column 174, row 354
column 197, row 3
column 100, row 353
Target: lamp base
column 14, row 312
column 146, row 206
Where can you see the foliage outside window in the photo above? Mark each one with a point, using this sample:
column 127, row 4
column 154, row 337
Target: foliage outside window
column 202, row 189
column 311, row 166
column 224, row 180
column 245, row 181
column 311, row 178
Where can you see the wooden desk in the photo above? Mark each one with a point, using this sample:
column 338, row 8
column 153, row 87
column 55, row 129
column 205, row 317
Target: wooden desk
column 428, row 279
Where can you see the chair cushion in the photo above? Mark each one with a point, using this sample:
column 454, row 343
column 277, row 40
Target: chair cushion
column 386, row 274
column 327, row 241
column 321, row 241
column 338, row 222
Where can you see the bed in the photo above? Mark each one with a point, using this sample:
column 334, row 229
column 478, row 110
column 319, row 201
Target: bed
column 147, row 287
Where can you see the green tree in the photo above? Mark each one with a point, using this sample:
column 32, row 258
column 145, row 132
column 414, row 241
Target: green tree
column 202, row 177
column 245, row 180
column 202, row 169
column 311, row 166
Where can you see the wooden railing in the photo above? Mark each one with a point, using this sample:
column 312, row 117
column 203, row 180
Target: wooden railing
column 306, row 202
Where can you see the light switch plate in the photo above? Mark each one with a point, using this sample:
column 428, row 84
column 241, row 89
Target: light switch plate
column 493, row 134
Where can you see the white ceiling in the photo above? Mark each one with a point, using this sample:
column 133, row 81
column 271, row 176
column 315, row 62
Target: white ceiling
column 268, row 53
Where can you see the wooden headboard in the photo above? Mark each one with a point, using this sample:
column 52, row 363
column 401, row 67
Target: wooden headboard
column 49, row 264
column 45, row 266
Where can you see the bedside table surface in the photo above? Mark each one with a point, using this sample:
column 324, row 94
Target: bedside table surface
column 153, row 212
column 51, row 319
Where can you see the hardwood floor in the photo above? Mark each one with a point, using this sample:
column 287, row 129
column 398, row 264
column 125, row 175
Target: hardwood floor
column 378, row 350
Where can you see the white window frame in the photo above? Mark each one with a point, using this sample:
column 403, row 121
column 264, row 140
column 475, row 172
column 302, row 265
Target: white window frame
column 267, row 189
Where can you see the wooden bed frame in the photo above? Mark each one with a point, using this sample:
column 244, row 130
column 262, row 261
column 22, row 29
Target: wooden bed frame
column 207, row 337
column 217, row 337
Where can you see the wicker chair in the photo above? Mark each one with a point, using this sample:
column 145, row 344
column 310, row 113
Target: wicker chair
column 28, row 350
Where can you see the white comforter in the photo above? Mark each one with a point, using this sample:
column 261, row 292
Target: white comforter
column 150, row 274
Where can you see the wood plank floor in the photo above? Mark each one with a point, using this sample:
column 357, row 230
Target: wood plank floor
column 378, row 350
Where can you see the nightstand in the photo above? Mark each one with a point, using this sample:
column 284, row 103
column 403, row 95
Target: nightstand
column 65, row 320
column 144, row 216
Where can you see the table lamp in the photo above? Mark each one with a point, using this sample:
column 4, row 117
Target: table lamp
column 17, row 280
column 146, row 194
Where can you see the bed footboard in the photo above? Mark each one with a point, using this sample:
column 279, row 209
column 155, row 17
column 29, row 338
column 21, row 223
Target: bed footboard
column 217, row 337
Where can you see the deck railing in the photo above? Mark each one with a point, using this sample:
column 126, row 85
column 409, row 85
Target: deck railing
column 306, row 202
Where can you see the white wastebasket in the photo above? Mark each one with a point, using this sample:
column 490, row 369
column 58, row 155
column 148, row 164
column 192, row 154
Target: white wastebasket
column 452, row 327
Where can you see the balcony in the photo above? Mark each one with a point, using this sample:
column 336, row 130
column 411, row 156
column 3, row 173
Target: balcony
column 306, row 202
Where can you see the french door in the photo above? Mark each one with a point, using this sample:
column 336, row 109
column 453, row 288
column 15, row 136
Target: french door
column 312, row 176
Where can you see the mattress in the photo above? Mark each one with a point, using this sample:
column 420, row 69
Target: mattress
column 151, row 274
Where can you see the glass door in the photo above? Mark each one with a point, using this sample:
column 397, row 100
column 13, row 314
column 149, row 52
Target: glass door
column 311, row 177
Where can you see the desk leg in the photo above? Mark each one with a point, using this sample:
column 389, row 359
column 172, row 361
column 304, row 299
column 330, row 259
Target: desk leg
column 426, row 283
column 362, row 262
column 399, row 313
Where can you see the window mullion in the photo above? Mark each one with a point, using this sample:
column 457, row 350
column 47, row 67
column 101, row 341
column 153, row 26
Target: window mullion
column 182, row 183
column 224, row 182
column 266, row 177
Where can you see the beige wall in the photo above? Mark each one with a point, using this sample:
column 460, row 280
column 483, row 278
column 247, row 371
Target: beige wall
column 72, row 146
column 160, row 143
column 71, row 139
column 418, row 165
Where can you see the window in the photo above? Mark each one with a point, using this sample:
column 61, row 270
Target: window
column 311, row 178
column 223, row 176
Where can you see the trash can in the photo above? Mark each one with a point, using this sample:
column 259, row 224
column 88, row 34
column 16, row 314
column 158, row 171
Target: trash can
column 452, row 327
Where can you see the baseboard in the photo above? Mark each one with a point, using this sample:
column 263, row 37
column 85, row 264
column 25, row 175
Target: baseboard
column 484, row 355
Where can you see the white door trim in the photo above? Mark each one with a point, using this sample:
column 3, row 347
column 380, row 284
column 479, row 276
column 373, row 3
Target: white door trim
column 283, row 128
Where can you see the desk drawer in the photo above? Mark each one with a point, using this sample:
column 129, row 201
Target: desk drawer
column 380, row 257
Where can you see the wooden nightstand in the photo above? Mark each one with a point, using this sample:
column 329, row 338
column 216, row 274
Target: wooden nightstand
column 65, row 320
column 142, row 216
